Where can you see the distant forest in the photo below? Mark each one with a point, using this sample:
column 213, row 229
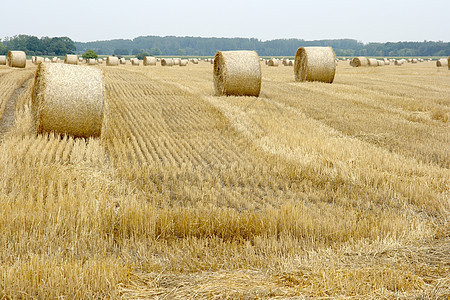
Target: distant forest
column 197, row 46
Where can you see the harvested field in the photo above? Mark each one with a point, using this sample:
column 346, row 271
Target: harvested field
column 311, row 190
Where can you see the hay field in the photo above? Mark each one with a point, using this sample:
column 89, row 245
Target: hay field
column 312, row 190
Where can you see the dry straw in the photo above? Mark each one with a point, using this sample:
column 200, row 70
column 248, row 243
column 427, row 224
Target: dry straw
column 112, row 61
column 273, row 62
column 167, row 62
column 92, row 61
column 17, row 59
column 315, row 64
column 135, row 61
column 54, row 60
column 237, row 73
column 372, row 62
column 71, row 59
column 448, row 62
column 68, row 99
column 149, row 61
column 123, row 61
column 2, row 60
column 38, row 59
column 360, row 61
column 183, row 62
column 442, row 62
column 194, row 61
column 176, row 61
column 380, row 62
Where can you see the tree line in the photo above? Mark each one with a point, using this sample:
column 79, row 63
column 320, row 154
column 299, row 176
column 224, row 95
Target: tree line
column 197, row 46
column 32, row 45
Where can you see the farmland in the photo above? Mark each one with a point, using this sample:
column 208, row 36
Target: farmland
column 310, row 190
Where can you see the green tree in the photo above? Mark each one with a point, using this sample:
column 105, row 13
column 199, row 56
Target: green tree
column 181, row 52
column 3, row 49
column 141, row 55
column 121, row 51
column 90, row 54
column 155, row 51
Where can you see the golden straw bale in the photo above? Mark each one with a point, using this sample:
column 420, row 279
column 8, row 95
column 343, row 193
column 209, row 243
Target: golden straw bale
column 38, row 59
column 123, row 61
column 71, row 59
column 92, row 61
column 273, row 62
column 100, row 61
column 68, row 99
column 167, row 62
column 17, row 59
column 2, row 60
column 448, row 62
column 380, row 62
column 237, row 73
column 359, row 61
column 414, row 61
column 372, row 62
column 315, row 64
column 149, row 61
column 183, row 62
column 112, row 61
column 54, row 60
column 194, row 61
column 443, row 62
column 176, row 61
column 135, row 61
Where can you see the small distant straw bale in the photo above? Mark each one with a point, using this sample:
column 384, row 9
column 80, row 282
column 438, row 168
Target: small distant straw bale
column 149, row 61
column 38, row 59
column 183, row 62
column 135, row 61
column 92, row 61
column 360, row 61
column 123, row 61
column 68, row 99
column 273, row 62
column 167, row 62
column 112, row 61
column 17, row 59
column 315, row 64
column 2, row 60
column 237, row 73
column 380, row 62
column 71, row 59
column 443, row 62
column 372, row 62
column 54, row 60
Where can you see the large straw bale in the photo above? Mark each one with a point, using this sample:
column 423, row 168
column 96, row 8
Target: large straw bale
column 71, row 59
column 194, row 61
column 2, row 60
column 123, row 61
column 183, row 62
column 112, row 61
column 167, row 62
column 68, row 99
column 176, row 61
column 237, row 73
column 17, row 59
column 135, row 61
column 443, row 62
column 380, row 62
column 315, row 64
column 360, row 61
column 149, row 61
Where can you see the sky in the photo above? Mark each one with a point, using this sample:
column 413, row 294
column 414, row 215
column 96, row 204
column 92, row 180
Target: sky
column 365, row 21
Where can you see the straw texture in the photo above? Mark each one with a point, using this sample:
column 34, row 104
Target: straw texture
column 360, row 61
column 17, row 59
column 71, row 59
column 167, row 62
column 135, row 61
column 237, row 73
column 68, row 99
column 123, row 61
column 92, row 61
column 183, row 62
column 112, row 61
column 442, row 62
column 372, row 62
column 149, row 61
column 273, row 62
column 2, row 59
column 448, row 62
column 315, row 64
column 54, row 60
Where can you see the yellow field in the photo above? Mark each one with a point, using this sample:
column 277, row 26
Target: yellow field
column 311, row 190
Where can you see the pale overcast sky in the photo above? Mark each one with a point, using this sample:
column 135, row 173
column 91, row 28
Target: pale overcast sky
column 366, row 21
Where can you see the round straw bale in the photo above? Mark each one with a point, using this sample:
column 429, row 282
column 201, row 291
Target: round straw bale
column 135, row 61
column 442, row 62
column 373, row 62
column 414, row 61
column 68, row 99
column 47, row 60
column 112, row 61
column 38, row 59
column 91, row 61
column 54, row 60
column 273, row 62
column 176, row 61
column 398, row 62
column 167, row 62
column 315, row 64
column 194, row 61
column 123, row 61
column 33, row 59
column 149, row 61
column 380, row 62
column 183, row 62
column 237, row 73
column 71, row 59
column 360, row 61
column 100, row 61
column 2, row 60
column 17, row 59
